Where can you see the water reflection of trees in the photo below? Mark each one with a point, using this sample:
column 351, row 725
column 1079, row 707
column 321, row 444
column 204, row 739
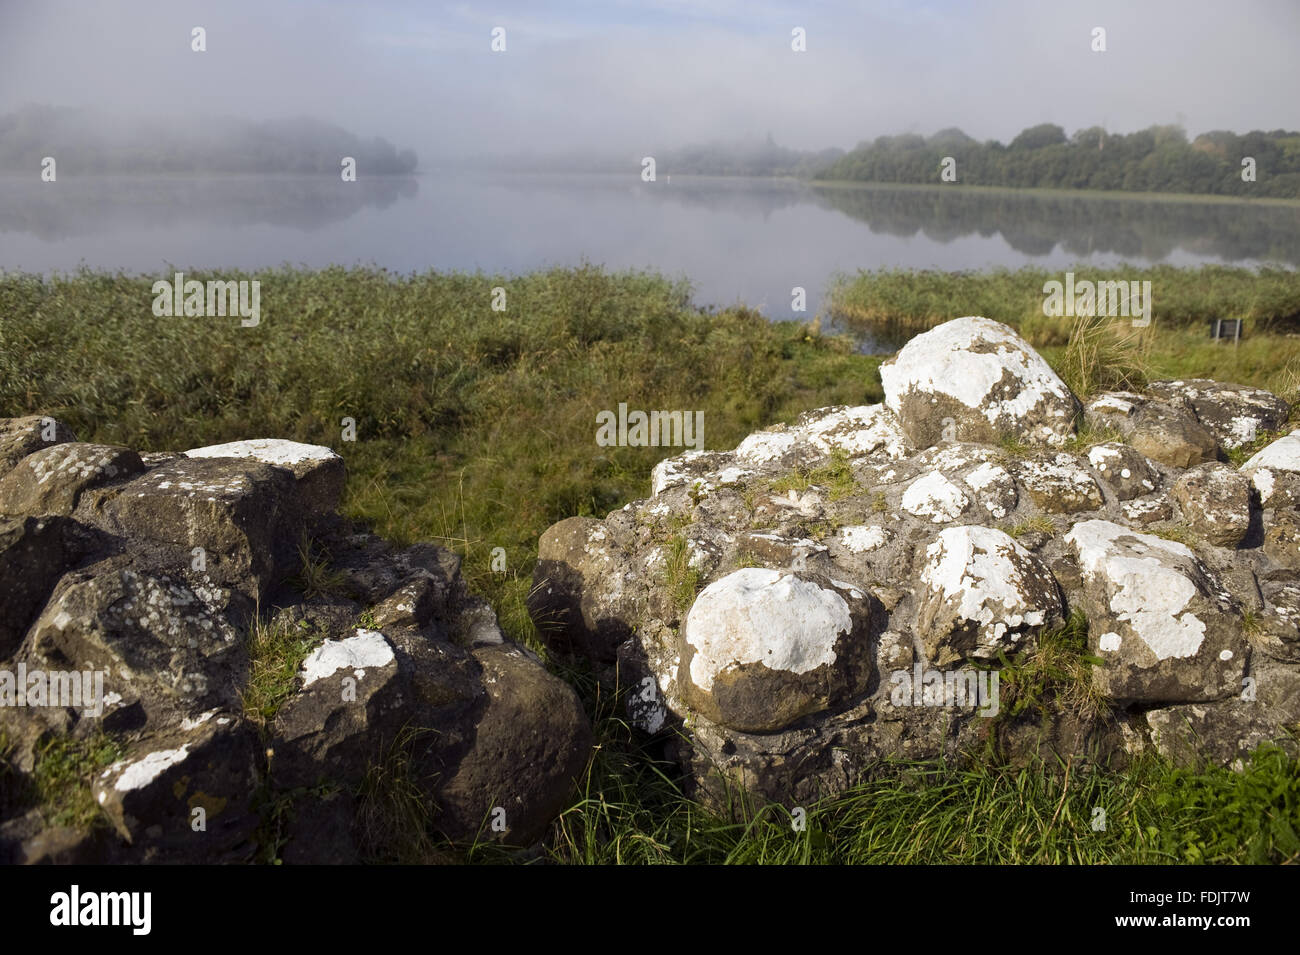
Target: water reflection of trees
column 89, row 206
column 1035, row 224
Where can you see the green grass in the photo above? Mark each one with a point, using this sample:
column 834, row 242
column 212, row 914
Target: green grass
column 1055, row 672
column 836, row 476
column 908, row 301
column 315, row 577
column 395, row 818
column 476, row 429
column 1040, row 523
column 276, row 653
column 681, row 579
column 1011, row 448
column 629, row 811
column 63, row 773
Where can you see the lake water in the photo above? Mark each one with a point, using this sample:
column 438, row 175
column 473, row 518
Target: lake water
column 735, row 240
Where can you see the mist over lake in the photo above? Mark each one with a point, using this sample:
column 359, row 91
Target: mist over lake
column 734, row 239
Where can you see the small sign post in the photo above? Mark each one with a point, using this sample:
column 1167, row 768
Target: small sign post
column 1222, row 329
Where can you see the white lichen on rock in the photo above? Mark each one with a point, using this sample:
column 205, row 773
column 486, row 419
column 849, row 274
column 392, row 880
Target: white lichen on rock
column 756, row 615
column 367, row 649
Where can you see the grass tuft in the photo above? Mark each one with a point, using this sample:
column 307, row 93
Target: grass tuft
column 64, row 771
column 276, row 653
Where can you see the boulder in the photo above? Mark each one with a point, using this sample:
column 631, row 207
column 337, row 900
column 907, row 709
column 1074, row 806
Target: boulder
column 1235, row 414
column 349, row 707
column 1126, row 471
column 1058, row 485
column 319, row 473
column 34, row 553
column 1164, row 431
column 50, row 481
column 569, row 553
column 994, row 489
column 1274, row 471
column 242, row 514
column 1265, row 711
column 530, row 747
column 187, row 794
column 1215, row 501
column 983, row 595
column 1282, row 539
column 1148, row 510
column 764, row 648
column 974, row 379
column 1172, row 436
column 935, row 498
column 857, row 432
column 1165, row 628
column 19, row 437
column 155, row 640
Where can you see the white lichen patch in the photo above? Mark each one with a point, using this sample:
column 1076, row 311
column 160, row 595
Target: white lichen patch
column 275, row 451
column 764, row 616
column 1146, row 589
column 171, row 611
column 994, row 486
column 1116, row 402
column 986, row 475
column 194, row 723
column 860, row 431
column 145, row 771
column 1282, row 455
column 935, row 498
column 232, row 486
column 861, row 538
column 1264, row 483
column 74, row 463
column 369, row 648
column 762, row 447
column 1101, row 456
column 982, row 570
column 1241, row 430
column 945, row 361
column 705, row 471
column 1144, row 509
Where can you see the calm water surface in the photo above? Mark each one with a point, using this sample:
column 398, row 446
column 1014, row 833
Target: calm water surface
column 735, row 240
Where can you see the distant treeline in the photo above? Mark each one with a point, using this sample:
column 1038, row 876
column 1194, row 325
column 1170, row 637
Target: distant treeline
column 748, row 159
column 1158, row 159
column 82, row 142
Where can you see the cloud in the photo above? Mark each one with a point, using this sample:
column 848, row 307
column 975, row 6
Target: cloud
column 635, row 77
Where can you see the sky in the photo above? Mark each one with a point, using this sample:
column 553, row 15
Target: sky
column 635, row 76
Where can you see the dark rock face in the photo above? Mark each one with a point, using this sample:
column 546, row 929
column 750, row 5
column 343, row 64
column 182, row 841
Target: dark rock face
column 1124, row 469
column 966, row 553
column 131, row 587
column 530, row 742
column 1235, row 414
column 34, row 553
